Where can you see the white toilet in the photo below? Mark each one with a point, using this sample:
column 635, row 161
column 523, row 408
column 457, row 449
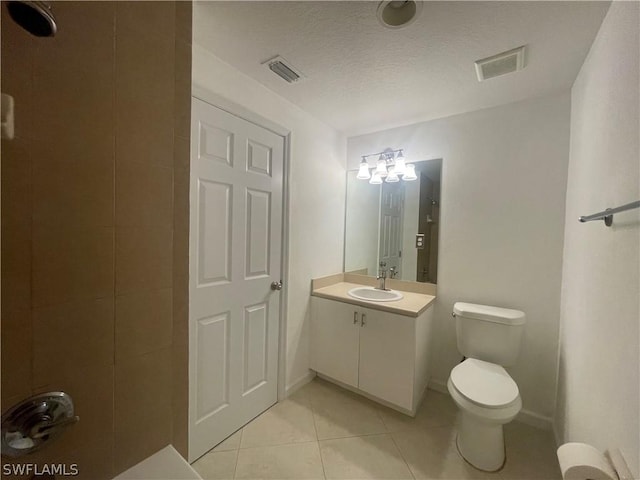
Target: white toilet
column 485, row 393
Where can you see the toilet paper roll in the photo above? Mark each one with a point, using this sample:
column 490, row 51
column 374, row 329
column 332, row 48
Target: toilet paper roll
column 579, row 461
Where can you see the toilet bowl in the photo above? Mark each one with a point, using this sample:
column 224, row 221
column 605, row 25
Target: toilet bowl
column 488, row 398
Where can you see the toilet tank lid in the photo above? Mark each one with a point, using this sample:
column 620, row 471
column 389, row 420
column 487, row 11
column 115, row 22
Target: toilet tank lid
column 488, row 313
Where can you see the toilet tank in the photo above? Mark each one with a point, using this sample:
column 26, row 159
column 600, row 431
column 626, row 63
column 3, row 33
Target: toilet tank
column 492, row 334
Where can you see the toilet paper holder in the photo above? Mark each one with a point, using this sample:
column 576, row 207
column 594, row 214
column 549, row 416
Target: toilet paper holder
column 580, row 461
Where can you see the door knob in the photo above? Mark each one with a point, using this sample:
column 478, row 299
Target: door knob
column 276, row 285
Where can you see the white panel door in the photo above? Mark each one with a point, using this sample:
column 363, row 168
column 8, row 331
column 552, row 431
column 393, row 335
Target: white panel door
column 235, row 255
column 391, row 208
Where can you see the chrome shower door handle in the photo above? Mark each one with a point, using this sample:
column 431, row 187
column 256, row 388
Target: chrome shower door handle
column 276, row 285
column 45, row 428
column 34, row 422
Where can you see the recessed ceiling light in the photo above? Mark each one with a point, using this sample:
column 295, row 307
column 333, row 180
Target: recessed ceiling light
column 398, row 13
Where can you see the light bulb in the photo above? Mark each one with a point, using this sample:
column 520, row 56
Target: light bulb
column 410, row 173
column 392, row 177
column 363, row 171
column 400, row 164
column 375, row 179
column 381, row 167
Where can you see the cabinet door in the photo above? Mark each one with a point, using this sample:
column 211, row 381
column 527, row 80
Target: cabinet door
column 387, row 356
column 334, row 340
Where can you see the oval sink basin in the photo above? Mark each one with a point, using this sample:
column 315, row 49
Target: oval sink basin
column 374, row 295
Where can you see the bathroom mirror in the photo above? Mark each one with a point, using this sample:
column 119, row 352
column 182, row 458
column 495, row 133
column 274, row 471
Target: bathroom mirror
column 384, row 221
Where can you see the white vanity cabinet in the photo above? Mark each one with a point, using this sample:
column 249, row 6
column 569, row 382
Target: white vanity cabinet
column 335, row 336
column 381, row 354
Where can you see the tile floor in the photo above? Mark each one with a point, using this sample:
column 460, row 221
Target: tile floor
column 325, row 432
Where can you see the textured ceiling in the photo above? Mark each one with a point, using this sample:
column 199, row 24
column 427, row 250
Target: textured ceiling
column 361, row 77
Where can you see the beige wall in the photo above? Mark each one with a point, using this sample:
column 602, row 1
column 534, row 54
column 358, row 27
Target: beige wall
column 598, row 397
column 504, row 173
column 316, row 195
column 95, row 226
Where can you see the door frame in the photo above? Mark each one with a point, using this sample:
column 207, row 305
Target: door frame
column 239, row 111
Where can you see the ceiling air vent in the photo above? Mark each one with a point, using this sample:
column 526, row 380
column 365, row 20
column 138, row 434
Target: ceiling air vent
column 500, row 64
column 283, row 69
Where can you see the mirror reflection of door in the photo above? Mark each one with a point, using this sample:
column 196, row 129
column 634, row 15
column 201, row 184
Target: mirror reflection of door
column 391, row 211
column 428, row 217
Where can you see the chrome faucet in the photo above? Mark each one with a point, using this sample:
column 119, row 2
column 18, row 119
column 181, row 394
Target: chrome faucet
column 393, row 271
column 382, row 276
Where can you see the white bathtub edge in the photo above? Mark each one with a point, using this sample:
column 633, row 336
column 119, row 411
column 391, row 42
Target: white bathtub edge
column 165, row 464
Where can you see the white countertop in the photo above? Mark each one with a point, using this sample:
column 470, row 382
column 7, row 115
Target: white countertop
column 411, row 304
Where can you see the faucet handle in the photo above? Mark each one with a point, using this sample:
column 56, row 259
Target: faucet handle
column 383, row 264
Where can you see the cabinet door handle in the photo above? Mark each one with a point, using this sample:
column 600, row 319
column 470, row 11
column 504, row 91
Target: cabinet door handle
column 363, row 320
column 355, row 317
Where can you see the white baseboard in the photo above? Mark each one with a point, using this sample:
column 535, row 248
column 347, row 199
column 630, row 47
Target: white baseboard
column 299, row 383
column 535, row 420
column 556, row 435
column 438, row 386
column 525, row 416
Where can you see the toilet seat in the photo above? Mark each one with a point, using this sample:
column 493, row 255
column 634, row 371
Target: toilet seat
column 484, row 384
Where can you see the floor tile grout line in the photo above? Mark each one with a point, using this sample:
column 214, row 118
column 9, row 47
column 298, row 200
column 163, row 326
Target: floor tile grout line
column 387, row 429
column 315, row 438
column 354, row 436
column 289, row 444
column 315, row 429
column 382, row 420
column 402, row 456
column 235, row 468
column 324, row 472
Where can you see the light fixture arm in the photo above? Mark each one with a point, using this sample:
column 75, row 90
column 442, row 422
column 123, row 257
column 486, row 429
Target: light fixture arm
column 388, row 153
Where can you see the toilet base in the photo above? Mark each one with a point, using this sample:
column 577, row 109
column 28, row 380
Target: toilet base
column 481, row 443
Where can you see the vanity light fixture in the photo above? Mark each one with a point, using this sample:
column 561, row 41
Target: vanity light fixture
column 390, row 166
